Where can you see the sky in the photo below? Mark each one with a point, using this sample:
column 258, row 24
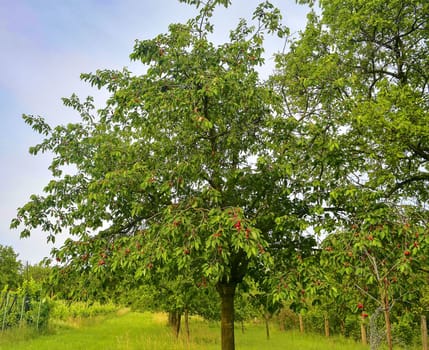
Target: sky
column 44, row 47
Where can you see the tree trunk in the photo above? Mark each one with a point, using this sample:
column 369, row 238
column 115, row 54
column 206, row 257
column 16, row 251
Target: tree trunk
column 174, row 318
column 387, row 321
column 326, row 325
column 188, row 333
column 226, row 292
column 343, row 327
column 267, row 325
column 363, row 334
column 301, row 323
column 424, row 333
column 177, row 330
column 282, row 326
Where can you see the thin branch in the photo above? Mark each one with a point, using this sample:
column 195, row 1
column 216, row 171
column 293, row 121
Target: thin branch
column 369, row 295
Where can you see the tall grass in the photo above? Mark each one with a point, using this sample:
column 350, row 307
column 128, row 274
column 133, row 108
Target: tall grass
column 132, row 331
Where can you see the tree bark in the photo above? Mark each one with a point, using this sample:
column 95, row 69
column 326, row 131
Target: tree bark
column 226, row 292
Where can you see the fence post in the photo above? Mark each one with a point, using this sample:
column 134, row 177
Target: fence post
column 22, row 310
column 424, row 333
column 363, row 333
column 5, row 312
column 38, row 313
column 326, row 325
column 301, row 323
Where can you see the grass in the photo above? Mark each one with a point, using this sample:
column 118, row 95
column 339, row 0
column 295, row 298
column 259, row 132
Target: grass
column 132, row 331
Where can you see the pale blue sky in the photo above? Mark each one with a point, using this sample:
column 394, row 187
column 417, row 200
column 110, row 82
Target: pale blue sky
column 44, row 46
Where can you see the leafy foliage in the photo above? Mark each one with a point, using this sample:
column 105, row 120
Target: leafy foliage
column 10, row 268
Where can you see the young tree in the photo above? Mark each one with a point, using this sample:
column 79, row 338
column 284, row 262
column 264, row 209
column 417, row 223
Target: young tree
column 173, row 174
column 384, row 258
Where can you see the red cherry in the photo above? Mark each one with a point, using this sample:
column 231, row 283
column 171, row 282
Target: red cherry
column 237, row 225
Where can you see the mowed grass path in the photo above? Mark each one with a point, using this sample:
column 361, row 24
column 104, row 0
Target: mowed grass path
column 132, row 331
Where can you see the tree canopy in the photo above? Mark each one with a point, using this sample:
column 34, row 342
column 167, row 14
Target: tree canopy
column 200, row 168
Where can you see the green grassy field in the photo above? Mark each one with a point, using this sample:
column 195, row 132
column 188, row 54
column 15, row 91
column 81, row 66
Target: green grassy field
column 130, row 330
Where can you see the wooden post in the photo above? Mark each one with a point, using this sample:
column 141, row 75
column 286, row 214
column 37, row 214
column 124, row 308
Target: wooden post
column 388, row 324
column 363, row 333
column 22, row 311
column 301, row 323
column 424, row 333
column 5, row 312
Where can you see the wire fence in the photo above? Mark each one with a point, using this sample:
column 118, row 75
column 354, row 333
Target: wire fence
column 23, row 307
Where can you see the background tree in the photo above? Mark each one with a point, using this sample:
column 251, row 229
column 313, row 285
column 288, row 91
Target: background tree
column 40, row 272
column 357, row 75
column 10, row 268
